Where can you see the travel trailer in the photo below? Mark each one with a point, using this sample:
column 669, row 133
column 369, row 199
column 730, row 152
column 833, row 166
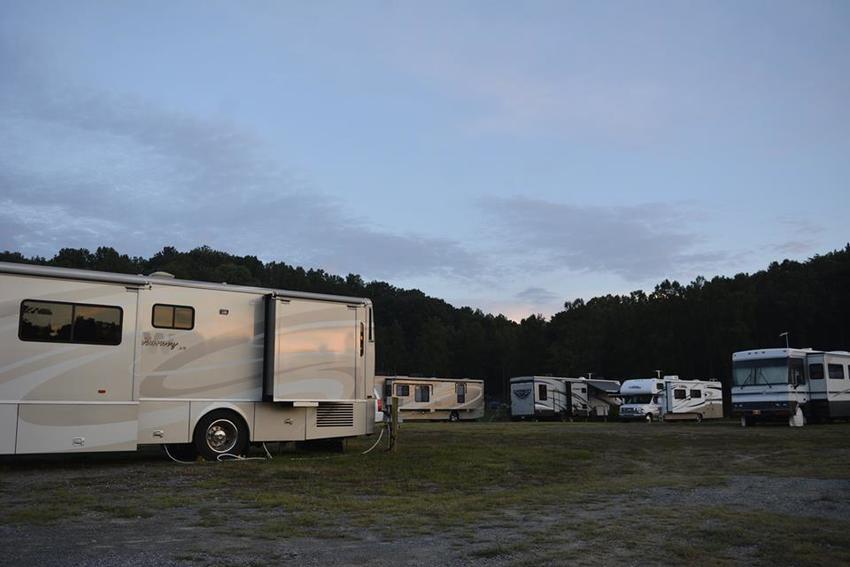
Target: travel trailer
column 433, row 399
column 554, row 397
column 671, row 398
column 95, row 361
column 799, row 385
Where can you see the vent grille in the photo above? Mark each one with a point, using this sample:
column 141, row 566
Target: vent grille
column 335, row 415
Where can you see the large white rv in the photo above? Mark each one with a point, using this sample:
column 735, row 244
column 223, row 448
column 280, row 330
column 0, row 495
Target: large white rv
column 789, row 383
column 536, row 397
column 433, row 399
column 671, row 398
column 94, row 361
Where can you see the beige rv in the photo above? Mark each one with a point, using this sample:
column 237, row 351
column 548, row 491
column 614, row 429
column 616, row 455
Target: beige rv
column 94, row 361
column 433, row 399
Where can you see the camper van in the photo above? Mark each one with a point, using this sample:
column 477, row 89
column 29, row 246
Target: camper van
column 671, row 398
column 433, row 399
column 95, row 361
column 799, row 385
column 554, row 397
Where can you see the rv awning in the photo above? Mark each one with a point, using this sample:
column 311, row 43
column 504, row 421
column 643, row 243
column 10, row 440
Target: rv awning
column 607, row 386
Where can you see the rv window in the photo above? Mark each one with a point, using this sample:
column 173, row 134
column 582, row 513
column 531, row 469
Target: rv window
column 49, row 321
column 796, row 370
column 402, row 390
column 696, row 393
column 680, row 393
column 816, row 371
column 423, row 393
column 460, row 390
column 836, row 372
column 173, row 317
column 541, row 392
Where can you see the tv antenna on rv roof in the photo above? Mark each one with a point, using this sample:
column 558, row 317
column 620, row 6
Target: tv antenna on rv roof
column 785, row 334
column 658, row 372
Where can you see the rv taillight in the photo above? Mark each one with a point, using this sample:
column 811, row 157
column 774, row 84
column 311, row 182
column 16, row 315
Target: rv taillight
column 380, row 404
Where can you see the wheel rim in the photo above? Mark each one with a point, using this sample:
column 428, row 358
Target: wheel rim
column 222, row 435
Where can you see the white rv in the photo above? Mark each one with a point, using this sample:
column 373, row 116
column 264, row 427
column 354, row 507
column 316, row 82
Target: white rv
column 789, row 383
column 94, row 361
column 433, row 399
column 671, row 398
column 536, row 397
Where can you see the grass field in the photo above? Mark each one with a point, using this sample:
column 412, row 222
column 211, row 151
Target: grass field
column 495, row 493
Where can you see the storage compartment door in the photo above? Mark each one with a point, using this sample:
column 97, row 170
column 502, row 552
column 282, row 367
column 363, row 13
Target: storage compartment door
column 67, row 428
column 316, row 351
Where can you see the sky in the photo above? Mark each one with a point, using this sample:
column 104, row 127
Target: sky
column 508, row 156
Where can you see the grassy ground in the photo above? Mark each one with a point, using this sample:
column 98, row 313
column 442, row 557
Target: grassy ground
column 502, row 493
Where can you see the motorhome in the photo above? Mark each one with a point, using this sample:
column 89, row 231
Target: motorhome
column 433, row 399
column 799, row 385
column 95, row 361
column 555, row 397
column 670, row 398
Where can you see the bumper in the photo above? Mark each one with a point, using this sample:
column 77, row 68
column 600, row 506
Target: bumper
column 764, row 409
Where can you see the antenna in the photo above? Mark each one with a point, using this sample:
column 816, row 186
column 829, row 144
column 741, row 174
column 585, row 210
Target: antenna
column 658, row 373
column 785, row 334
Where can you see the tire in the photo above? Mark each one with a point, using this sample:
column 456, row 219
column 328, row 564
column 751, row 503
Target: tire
column 220, row 432
column 180, row 451
column 745, row 422
column 649, row 418
column 699, row 418
column 454, row 416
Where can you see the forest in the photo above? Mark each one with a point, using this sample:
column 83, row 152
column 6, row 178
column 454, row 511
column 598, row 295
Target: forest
column 690, row 330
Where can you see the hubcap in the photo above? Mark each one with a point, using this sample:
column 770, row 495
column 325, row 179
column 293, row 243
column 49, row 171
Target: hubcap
column 222, row 435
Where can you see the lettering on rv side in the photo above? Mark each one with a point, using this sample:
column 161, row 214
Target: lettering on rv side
column 158, row 341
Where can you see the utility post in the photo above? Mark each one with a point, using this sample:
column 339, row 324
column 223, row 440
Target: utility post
column 394, row 425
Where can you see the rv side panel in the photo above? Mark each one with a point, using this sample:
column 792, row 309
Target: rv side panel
column 63, row 428
column 278, row 422
column 8, row 428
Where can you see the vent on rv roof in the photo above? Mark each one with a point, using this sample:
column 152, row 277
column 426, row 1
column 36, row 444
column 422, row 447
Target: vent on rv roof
column 161, row 275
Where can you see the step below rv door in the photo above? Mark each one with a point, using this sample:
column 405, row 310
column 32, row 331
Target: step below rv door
column 311, row 350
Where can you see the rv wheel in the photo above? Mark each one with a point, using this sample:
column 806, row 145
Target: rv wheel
column 220, row 432
column 699, row 418
column 744, row 421
column 454, row 416
column 649, row 418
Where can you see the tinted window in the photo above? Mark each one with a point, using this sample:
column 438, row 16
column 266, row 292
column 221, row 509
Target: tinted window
column 680, row 393
column 696, row 393
column 173, row 317
column 816, row 371
column 541, row 391
column 423, row 393
column 50, row 321
column 836, row 372
column 402, row 390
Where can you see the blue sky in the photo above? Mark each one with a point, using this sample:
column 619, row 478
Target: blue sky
column 503, row 155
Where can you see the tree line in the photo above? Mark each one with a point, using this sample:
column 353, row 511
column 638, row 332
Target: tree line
column 690, row 330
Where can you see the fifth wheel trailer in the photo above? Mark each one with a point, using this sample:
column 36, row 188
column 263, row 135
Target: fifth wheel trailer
column 95, row 361
column 433, row 399
column 536, row 397
column 790, row 383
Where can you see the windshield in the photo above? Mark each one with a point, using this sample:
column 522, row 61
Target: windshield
column 766, row 372
column 642, row 399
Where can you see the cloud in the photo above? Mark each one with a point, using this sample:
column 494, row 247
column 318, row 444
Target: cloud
column 84, row 169
column 638, row 242
column 537, row 295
